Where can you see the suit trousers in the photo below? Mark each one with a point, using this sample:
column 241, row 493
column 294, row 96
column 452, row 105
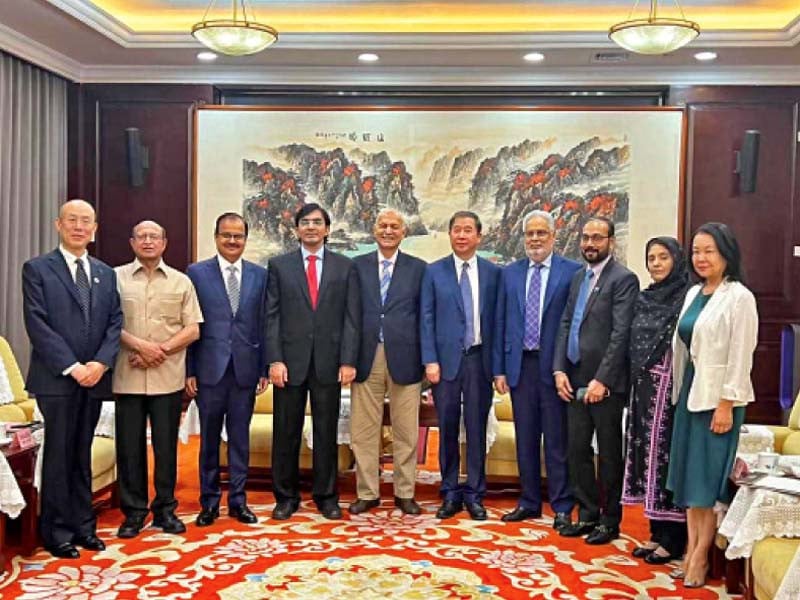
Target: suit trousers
column 66, row 494
column 226, row 401
column 366, row 421
column 598, row 497
column 472, row 391
column 539, row 412
column 132, row 412
column 287, row 431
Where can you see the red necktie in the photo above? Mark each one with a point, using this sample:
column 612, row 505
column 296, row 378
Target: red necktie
column 311, row 276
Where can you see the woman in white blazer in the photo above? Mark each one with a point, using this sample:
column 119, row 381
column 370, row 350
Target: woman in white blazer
column 713, row 355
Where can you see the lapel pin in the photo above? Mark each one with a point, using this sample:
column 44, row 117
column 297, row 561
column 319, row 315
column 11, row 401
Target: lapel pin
column 96, row 280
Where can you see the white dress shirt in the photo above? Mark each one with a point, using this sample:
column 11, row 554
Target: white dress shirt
column 73, row 268
column 392, row 262
column 320, row 259
column 474, row 284
column 223, row 267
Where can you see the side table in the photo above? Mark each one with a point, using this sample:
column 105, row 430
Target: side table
column 23, row 465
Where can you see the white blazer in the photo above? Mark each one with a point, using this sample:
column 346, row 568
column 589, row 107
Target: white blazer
column 723, row 340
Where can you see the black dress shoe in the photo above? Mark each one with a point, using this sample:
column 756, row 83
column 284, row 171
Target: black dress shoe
column 65, row 550
column 360, row 506
column 408, row 506
column 641, row 551
column 169, row 523
column 284, row 510
column 520, row 514
column 577, row 529
column 448, row 509
column 561, row 520
column 207, row 516
column 331, row 511
column 130, row 528
column 243, row 514
column 602, row 534
column 653, row 558
column 476, row 511
column 89, row 542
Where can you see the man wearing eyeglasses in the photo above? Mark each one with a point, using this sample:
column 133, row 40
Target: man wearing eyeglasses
column 590, row 367
column 226, row 367
column 161, row 318
column 313, row 331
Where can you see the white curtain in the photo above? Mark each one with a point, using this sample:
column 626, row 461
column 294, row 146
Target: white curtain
column 33, row 181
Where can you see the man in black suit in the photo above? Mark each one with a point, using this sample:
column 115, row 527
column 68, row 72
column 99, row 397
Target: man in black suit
column 389, row 364
column 313, row 323
column 73, row 319
column 590, row 366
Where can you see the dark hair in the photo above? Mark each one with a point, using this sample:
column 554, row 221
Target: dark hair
column 728, row 247
column 465, row 214
column 231, row 216
column 609, row 223
column 307, row 209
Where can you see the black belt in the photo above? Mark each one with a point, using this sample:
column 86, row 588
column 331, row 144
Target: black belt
column 472, row 350
column 530, row 352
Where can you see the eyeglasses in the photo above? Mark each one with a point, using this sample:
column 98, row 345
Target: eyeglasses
column 153, row 237
column 232, row 237
column 310, row 222
column 596, row 238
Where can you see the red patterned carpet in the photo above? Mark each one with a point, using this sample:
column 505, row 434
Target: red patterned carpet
column 378, row 555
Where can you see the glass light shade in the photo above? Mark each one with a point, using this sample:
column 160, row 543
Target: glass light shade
column 654, row 36
column 233, row 37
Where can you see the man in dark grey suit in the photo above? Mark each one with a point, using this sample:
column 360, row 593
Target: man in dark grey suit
column 73, row 319
column 313, row 323
column 590, row 366
column 389, row 364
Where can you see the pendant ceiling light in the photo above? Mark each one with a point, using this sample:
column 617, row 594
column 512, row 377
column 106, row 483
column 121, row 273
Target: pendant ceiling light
column 654, row 34
column 236, row 36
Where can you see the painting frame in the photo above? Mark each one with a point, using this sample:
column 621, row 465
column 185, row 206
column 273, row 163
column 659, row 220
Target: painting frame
column 202, row 223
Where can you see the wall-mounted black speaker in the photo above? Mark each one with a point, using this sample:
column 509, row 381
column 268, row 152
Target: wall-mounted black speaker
column 138, row 157
column 747, row 161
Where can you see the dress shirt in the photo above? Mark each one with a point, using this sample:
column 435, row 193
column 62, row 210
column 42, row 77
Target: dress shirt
column 546, row 264
column 154, row 308
column 319, row 254
column 474, row 284
column 223, row 267
column 598, row 270
column 392, row 259
column 73, row 268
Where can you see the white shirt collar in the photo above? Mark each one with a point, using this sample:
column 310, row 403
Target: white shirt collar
column 392, row 259
column 545, row 263
column 70, row 257
column 472, row 262
column 306, row 253
column 598, row 268
column 224, row 264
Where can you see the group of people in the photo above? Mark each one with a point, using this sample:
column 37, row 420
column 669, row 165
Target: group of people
column 574, row 344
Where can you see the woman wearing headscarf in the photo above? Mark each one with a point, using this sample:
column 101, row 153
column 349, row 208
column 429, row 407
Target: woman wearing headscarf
column 650, row 412
column 713, row 349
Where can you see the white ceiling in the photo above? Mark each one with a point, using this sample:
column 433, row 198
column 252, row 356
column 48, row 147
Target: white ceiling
column 82, row 43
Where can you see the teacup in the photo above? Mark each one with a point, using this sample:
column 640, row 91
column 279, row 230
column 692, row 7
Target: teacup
column 767, row 461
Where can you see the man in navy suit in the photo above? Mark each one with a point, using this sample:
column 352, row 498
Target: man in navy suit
column 226, row 367
column 457, row 307
column 73, row 320
column 389, row 364
column 314, row 317
column 533, row 293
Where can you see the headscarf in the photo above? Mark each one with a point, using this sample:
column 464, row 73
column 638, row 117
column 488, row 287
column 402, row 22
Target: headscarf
column 657, row 308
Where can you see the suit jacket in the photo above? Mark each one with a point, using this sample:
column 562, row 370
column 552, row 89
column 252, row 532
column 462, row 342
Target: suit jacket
column 443, row 321
column 511, row 316
column 55, row 325
column 295, row 332
column 223, row 335
column 724, row 338
column 400, row 317
column 604, row 331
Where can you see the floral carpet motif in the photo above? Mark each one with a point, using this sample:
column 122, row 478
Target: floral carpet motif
column 378, row 555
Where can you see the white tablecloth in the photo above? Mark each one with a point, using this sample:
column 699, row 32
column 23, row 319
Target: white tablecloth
column 756, row 514
column 754, row 439
column 11, row 500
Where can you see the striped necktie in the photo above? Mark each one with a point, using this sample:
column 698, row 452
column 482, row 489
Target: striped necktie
column 386, row 279
column 84, row 290
column 233, row 288
column 469, row 307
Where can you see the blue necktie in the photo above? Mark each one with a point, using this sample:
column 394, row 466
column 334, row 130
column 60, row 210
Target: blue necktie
column 469, row 309
column 532, row 308
column 573, row 347
column 386, row 279
column 84, row 289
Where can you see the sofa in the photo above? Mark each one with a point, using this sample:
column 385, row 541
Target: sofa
column 21, row 410
column 771, row 556
column 261, row 441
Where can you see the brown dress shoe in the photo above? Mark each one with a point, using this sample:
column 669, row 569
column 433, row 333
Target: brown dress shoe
column 360, row 506
column 409, row 506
